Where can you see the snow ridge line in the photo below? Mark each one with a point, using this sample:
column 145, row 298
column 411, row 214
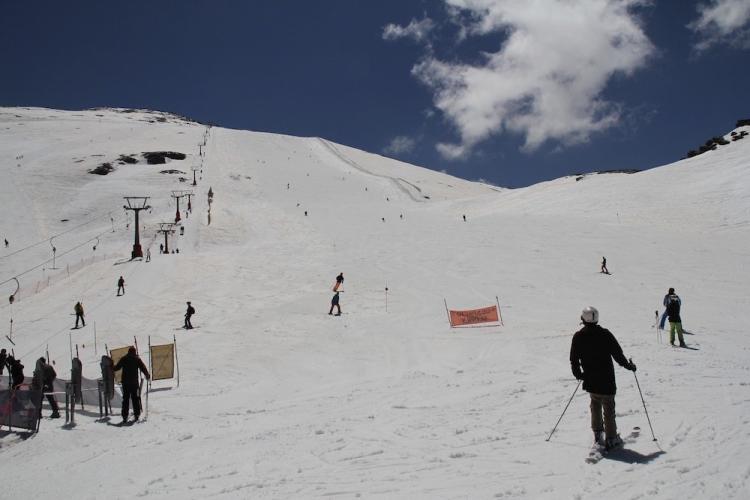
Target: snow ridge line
column 396, row 180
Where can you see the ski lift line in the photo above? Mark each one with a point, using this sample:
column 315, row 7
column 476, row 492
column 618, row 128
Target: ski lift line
column 52, row 237
column 50, row 260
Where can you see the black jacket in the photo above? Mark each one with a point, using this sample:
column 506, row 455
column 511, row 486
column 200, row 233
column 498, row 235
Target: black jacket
column 130, row 364
column 673, row 303
column 16, row 373
column 591, row 354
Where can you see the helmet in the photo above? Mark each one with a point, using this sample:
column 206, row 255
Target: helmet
column 590, row 315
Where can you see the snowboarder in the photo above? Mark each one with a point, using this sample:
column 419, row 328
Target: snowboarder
column 591, row 353
column 339, row 282
column 3, row 360
column 43, row 380
column 130, row 364
column 673, row 303
column 121, row 286
column 335, row 303
column 190, row 311
column 16, row 372
column 604, row 266
column 79, row 313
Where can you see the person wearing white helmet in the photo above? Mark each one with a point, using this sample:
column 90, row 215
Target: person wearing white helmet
column 591, row 354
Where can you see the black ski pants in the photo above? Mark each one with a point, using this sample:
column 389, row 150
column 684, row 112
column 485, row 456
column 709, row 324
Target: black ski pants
column 130, row 392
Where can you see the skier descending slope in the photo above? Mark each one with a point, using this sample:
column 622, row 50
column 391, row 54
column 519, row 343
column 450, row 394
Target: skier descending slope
column 591, row 353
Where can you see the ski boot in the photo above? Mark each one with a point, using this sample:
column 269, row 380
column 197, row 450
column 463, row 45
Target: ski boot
column 613, row 443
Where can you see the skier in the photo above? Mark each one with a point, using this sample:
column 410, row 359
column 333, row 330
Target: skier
column 130, row 364
column 121, row 286
column 79, row 313
column 464, row 218
column 190, row 311
column 43, row 380
column 161, row 247
column 3, row 360
column 6, row 242
column 591, row 353
column 148, row 255
column 335, row 303
column 604, row 266
column 16, row 372
column 673, row 303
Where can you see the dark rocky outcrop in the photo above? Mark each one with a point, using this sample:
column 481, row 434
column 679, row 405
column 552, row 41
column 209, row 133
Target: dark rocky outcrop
column 160, row 157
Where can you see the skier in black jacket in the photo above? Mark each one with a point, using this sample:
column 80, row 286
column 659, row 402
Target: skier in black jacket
column 130, row 365
column 591, row 354
column 16, row 372
column 43, row 380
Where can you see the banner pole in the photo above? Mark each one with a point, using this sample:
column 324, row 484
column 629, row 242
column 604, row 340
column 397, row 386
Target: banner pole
column 447, row 312
column 177, row 360
column 498, row 311
column 150, row 361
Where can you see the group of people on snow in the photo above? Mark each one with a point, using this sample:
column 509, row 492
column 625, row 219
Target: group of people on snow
column 591, row 353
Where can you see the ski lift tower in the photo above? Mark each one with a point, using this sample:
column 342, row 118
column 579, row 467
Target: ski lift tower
column 177, row 195
column 166, row 228
column 136, row 204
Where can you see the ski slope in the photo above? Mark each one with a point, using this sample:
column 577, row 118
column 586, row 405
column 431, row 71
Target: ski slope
column 277, row 399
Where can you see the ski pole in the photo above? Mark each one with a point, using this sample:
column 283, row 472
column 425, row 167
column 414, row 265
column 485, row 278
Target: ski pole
column 563, row 413
column 644, row 403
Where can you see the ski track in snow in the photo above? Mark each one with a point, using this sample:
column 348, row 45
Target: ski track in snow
column 279, row 400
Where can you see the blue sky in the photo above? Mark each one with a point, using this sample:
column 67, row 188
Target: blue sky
column 502, row 90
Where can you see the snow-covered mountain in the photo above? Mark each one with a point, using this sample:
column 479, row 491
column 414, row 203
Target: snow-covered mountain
column 277, row 399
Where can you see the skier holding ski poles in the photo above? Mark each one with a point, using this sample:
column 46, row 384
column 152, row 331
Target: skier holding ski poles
column 591, row 353
column 130, row 364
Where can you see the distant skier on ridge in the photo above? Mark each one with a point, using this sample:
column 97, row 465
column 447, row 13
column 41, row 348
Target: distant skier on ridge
column 604, row 266
column 591, row 353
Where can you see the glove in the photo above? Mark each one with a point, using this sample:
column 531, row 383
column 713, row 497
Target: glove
column 631, row 366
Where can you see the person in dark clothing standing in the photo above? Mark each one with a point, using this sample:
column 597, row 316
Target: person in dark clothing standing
column 79, row 313
column 121, row 286
column 130, row 364
column 591, row 353
column 335, row 303
column 604, row 266
column 673, row 303
column 16, row 372
column 3, row 360
column 190, row 311
column 43, row 380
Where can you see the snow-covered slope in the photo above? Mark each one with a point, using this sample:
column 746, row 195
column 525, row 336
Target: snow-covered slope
column 278, row 399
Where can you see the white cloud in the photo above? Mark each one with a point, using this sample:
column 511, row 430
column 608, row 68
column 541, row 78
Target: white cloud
column 399, row 145
column 545, row 81
column 722, row 21
column 416, row 30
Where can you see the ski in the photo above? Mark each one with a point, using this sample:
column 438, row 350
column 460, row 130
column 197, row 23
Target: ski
column 599, row 452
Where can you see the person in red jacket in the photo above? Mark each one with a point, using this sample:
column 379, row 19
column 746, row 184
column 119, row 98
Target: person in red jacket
column 591, row 354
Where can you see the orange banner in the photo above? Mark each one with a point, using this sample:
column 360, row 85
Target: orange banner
column 474, row 316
